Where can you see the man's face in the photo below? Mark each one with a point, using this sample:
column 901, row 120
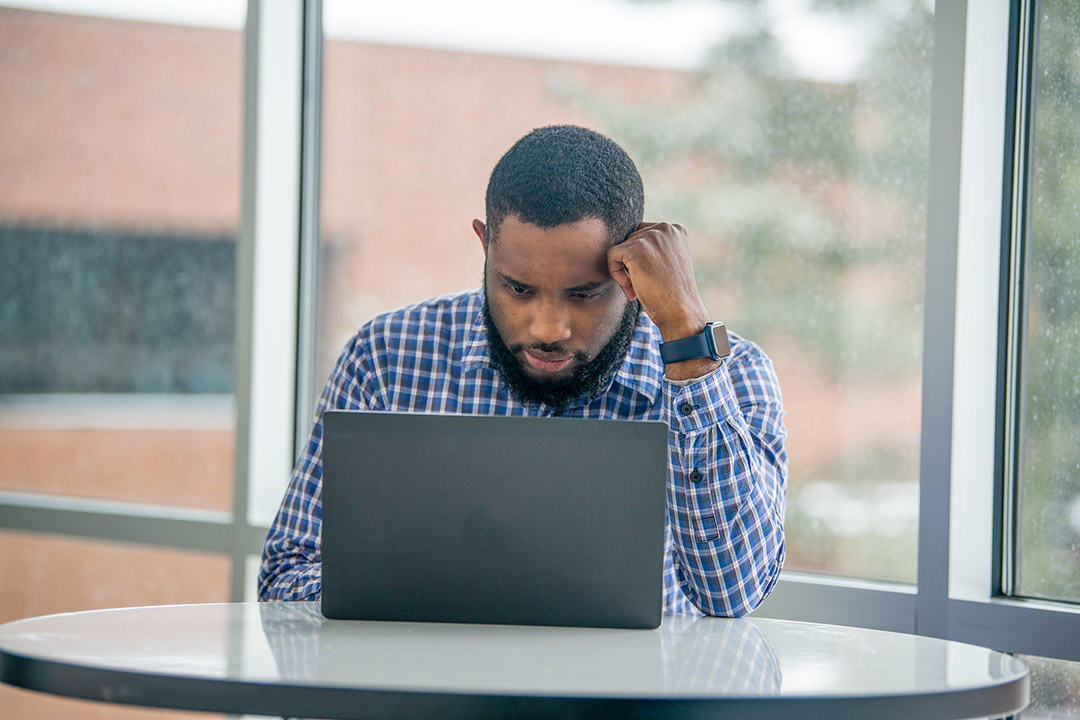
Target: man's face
column 559, row 325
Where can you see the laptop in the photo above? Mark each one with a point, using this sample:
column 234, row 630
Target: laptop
column 485, row 519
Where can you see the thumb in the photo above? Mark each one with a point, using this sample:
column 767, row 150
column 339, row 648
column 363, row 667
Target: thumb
column 623, row 278
column 618, row 271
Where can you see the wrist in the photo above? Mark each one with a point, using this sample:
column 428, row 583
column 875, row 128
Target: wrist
column 683, row 327
column 691, row 369
column 682, row 330
column 710, row 344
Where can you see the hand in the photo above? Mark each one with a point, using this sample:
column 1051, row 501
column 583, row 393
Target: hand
column 654, row 266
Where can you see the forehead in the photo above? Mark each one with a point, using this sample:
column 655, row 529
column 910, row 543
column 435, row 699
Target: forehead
column 564, row 256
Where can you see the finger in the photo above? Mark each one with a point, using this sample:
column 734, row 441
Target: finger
column 642, row 227
column 617, row 257
column 623, row 279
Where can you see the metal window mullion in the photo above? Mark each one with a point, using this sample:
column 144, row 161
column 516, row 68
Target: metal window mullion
column 310, row 163
column 809, row 597
column 1014, row 228
column 1040, row 628
column 935, row 465
column 268, row 267
column 176, row 528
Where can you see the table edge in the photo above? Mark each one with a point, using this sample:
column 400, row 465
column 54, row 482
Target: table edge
column 285, row 699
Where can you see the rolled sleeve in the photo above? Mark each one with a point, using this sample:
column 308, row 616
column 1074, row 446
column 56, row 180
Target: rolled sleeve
column 726, row 484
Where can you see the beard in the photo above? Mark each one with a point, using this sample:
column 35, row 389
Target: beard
column 560, row 394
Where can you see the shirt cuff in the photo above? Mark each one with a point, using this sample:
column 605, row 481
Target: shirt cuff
column 695, row 405
column 691, row 381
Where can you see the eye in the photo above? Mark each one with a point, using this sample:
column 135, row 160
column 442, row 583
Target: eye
column 586, row 295
column 516, row 290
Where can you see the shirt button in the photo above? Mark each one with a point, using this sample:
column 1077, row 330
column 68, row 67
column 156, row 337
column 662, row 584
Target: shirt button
column 686, row 408
column 695, row 476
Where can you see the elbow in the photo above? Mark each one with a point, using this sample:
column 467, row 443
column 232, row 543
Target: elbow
column 289, row 583
column 743, row 590
column 765, row 588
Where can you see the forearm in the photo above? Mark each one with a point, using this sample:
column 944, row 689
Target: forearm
column 292, row 554
column 726, row 487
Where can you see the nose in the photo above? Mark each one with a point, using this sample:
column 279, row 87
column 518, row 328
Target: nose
column 550, row 322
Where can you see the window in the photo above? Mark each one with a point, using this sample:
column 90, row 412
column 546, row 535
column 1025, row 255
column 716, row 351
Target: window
column 120, row 157
column 799, row 141
column 119, row 203
column 797, row 160
column 966, row 588
column 1055, row 689
column 1048, row 456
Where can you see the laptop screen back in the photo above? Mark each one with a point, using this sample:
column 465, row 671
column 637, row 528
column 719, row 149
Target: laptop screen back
column 482, row 519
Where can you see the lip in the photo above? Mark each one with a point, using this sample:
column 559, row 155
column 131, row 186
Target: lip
column 549, row 364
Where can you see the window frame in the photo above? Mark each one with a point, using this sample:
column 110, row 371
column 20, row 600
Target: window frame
column 280, row 162
column 975, row 121
column 979, row 118
column 967, row 592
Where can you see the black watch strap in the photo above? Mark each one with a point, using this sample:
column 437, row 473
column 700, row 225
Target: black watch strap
column 712, row 342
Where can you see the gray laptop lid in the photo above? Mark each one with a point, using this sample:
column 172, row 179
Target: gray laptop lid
column 481, row 519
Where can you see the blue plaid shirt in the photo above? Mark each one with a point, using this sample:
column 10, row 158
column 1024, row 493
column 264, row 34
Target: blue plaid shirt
column 726, row 476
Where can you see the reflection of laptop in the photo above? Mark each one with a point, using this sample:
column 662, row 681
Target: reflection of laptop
column 482, row 519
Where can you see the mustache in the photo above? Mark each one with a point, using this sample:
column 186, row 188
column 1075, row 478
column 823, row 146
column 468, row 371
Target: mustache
column 550, row 348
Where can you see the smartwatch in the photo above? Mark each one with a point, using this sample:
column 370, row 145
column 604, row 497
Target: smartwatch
column 712, row 342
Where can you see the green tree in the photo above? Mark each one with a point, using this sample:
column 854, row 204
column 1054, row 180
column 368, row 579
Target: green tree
column 807, row 204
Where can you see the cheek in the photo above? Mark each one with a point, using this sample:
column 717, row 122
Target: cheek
column 507, row 319
column 603, row 322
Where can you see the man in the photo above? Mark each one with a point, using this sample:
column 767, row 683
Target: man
column 578, row 296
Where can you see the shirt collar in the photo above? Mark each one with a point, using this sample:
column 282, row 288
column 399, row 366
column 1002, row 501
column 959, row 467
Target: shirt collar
column 641, row 371
column 475, row 354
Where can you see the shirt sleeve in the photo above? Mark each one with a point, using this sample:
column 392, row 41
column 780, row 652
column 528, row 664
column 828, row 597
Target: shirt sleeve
column 727, row 482
column 292, row 554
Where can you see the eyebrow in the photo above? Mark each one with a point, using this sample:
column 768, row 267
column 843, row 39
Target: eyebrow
column 585, row 287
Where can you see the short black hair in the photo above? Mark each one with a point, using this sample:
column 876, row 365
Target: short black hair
column 562, row 174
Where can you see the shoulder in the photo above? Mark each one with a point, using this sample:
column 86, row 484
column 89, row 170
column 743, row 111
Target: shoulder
column 418, row 338
column 396, row 349
column 439, row 316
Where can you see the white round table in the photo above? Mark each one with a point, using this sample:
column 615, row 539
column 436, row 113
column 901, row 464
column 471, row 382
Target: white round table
column 285, row 659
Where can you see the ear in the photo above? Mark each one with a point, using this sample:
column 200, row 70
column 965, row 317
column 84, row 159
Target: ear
column 481, row 232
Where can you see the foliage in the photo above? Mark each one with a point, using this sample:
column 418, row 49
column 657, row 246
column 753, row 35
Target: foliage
column 806, row 201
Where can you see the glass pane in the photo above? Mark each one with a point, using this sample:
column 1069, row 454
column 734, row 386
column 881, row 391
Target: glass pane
column 1055, row 689
column 119, row 204
column 1049, row 488
column 159, row 450
column 43, row 574
column 790, row 138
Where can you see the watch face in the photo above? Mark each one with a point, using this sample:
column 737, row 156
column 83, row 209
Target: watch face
column 720, row 343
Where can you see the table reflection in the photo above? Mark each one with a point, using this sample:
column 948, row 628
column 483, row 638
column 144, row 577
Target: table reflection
column 687, row 654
